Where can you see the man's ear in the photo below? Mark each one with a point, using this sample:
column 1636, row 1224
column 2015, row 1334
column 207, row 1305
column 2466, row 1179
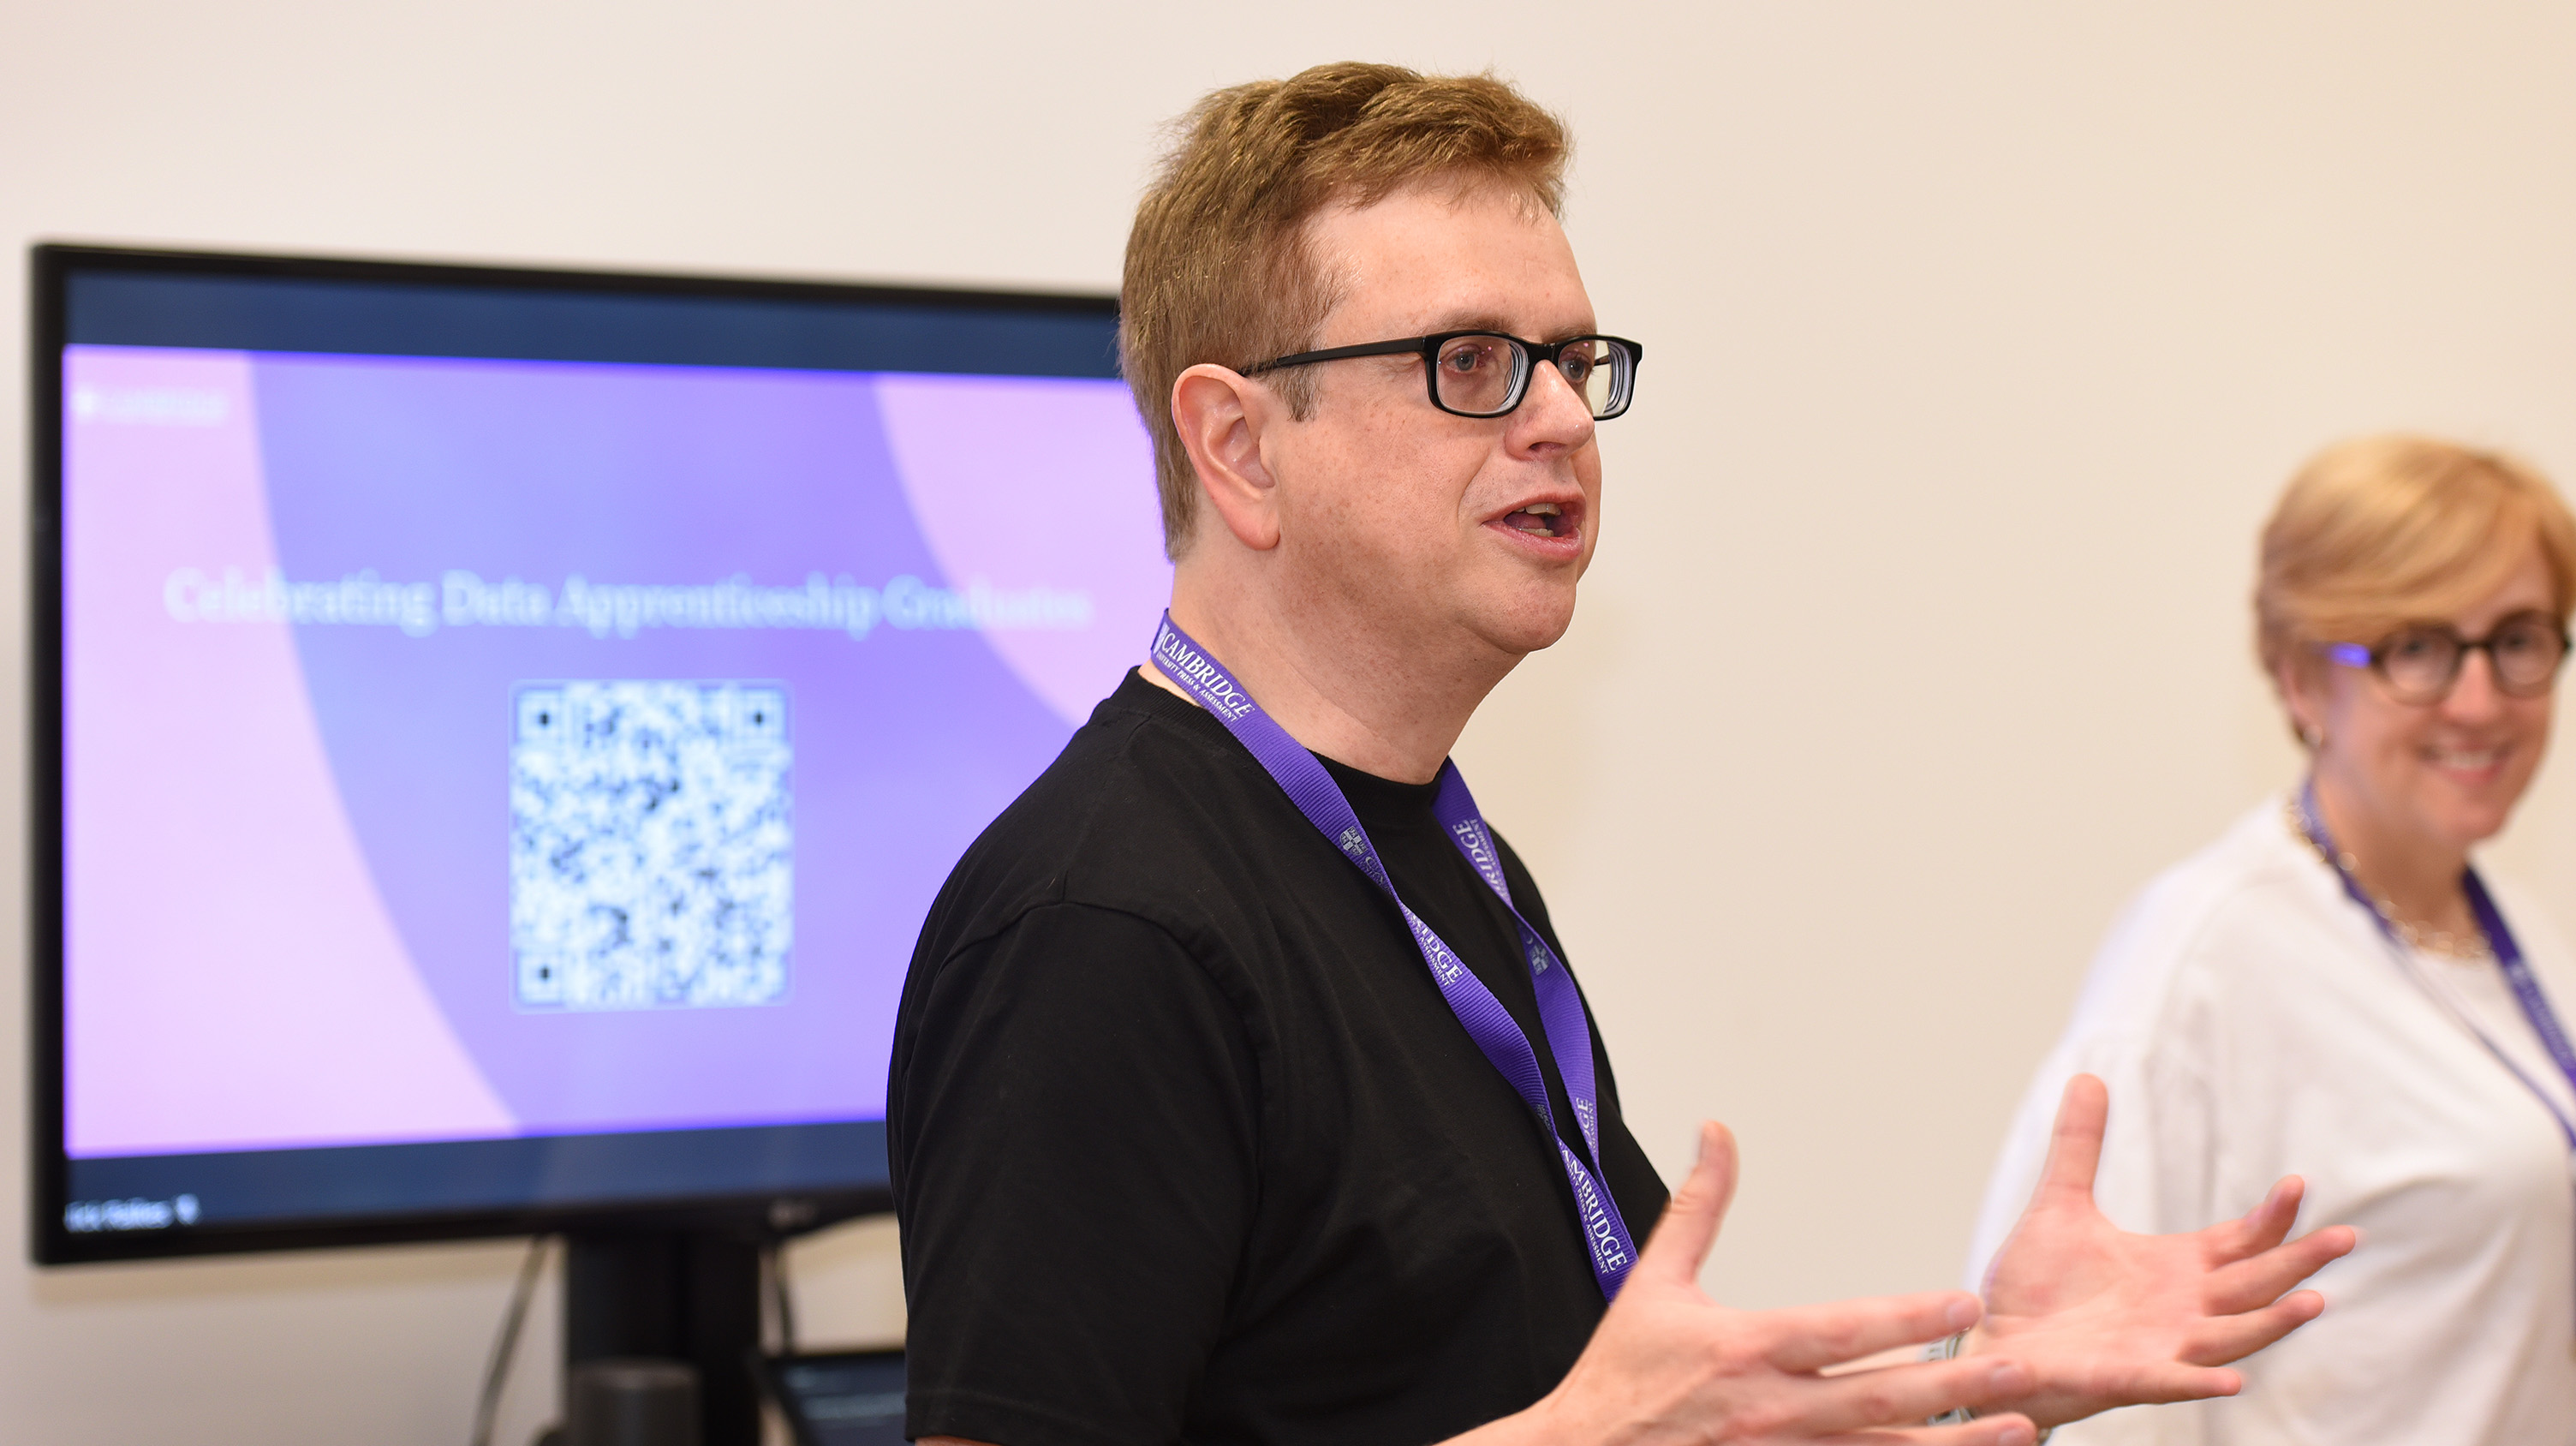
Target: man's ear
column 1220, row 415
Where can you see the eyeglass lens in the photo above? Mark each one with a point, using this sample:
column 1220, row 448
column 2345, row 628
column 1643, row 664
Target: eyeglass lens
column 2524, row 651
column 1481, row 375
column 1484, row 375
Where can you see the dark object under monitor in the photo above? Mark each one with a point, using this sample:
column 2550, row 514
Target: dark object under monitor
column 424, row 627
column 845, row 1398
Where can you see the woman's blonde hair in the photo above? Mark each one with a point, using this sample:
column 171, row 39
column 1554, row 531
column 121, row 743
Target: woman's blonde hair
column 2378, row 532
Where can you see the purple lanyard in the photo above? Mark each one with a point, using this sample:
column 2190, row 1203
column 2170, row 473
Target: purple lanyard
column 2508, row 955
column 1560, row 1007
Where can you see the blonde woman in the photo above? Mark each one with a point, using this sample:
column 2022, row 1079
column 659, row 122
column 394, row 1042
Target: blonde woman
column 2334, row 990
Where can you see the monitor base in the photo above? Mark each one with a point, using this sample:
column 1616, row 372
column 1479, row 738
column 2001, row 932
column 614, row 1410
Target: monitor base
column 683, row 1295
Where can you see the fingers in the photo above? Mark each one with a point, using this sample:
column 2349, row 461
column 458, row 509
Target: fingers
column 1680, row 1243
column 1812, row 1337
column 2266, row 1225
column 2258, row 1282
column 2165, row 1384
column 1984, row 1431
column 1905, row 1395
column 2075, row 1146
column 2232, row 1338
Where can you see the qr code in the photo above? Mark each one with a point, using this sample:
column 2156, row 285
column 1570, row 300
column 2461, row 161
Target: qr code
column 649, row 845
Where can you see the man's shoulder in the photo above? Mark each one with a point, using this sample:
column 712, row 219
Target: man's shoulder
column 1151, row 809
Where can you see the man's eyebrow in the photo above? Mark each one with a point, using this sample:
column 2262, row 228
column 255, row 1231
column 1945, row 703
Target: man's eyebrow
column 1468, row 321
column 1487, row 321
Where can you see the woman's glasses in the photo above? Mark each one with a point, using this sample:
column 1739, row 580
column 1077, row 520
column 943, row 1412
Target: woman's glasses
column 2421, row 661
column 1486, row 374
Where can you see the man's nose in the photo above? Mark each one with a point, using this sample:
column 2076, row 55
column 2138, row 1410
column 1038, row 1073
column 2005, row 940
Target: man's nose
column 1553, row 412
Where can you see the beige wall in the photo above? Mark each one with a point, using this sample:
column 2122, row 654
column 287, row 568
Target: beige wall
column 1979, row 336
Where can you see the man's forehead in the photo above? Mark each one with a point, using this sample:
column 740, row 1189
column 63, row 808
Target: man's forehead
column 1446, row 257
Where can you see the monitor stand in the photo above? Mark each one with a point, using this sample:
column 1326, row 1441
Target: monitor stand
column 684, row 1295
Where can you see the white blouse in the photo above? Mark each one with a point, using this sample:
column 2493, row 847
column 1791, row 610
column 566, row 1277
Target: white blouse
column 2252, row 1022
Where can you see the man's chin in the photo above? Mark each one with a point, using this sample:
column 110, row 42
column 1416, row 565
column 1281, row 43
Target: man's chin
column 1532, row 625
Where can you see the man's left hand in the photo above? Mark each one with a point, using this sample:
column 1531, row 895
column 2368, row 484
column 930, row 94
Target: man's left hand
column 2104, row 1318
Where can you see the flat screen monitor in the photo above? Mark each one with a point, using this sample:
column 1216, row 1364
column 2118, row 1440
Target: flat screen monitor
column 497, row 733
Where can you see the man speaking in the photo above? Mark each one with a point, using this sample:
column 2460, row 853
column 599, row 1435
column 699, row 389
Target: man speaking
column 1240, row 1091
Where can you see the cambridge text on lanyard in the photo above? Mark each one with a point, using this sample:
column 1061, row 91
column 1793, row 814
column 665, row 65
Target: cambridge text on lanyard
column 1560, row 1008
column 2500, row 941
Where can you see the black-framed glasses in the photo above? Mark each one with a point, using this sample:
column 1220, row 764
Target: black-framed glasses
column 2421, row 661
column 1487, row 373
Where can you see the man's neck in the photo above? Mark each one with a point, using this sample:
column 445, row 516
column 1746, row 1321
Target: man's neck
column 1384, row 705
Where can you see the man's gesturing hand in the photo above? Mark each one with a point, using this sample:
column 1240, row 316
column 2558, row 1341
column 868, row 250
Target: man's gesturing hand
column 2105, row 1318
column 1669, row 1365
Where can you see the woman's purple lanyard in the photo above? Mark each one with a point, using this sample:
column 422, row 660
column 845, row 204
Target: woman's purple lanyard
column 1560, row 1007
column 2508, row 956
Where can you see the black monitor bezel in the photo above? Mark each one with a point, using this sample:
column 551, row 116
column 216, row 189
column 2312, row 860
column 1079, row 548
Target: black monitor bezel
column 51, row 268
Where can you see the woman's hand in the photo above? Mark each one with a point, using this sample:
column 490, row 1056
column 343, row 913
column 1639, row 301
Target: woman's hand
column 2104, row 1318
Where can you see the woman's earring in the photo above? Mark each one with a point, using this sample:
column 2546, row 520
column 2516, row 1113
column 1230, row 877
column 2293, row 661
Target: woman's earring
column 2315, row 736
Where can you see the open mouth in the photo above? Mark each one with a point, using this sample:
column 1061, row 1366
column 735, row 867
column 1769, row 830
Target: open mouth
column 1540, row 519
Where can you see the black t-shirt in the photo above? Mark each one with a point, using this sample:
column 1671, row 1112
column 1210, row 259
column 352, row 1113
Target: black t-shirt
column 1186, row 1144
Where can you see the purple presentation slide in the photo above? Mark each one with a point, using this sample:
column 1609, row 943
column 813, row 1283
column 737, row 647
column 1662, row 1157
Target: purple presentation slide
column 475, row 749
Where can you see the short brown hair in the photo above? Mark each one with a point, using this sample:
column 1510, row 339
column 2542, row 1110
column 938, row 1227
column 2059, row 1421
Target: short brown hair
column 2378, row 532
column 1217, row 267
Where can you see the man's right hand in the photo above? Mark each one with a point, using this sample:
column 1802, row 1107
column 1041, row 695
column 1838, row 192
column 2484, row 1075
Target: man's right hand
column 1669, row 1365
